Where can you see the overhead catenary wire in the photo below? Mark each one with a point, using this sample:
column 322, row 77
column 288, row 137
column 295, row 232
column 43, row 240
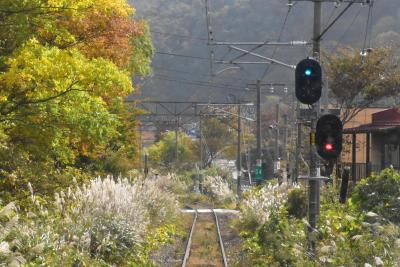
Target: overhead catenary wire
column 371, row 23
column 197, row 74
column 180, row 55
column 260, row 45
column 333, row 11
column 201, row 84
column 279, row 39
column 367, row 28
column 349, row 27
column 178, row 35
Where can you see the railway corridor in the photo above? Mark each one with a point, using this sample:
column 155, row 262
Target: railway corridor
column 205, row 249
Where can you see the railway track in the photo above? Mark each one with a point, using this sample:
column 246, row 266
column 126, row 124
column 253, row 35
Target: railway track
column 204, row 255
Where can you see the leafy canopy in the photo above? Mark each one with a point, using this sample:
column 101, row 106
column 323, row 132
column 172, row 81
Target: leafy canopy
column 358, row 81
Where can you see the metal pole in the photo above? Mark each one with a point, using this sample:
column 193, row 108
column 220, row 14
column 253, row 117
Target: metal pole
column 298, row 149
column 353, row 159
column 285, row 137
column 258, row 134
column 176, row 142
column 201, row 143
column 314, row 186
column 239, row 157
column 277, row 154
column 146, row 168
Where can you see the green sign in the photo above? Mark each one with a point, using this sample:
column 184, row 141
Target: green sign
column 258, row 173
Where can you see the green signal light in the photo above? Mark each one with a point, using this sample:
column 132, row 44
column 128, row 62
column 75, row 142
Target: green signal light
column 308, row 72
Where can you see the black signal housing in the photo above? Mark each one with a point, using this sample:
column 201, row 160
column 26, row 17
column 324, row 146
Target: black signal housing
column 328, row 137
column 308, row 81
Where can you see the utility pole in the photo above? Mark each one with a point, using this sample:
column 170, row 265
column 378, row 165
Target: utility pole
column 314, row 176
column 314, row 184
column 298, row 145
column 258, row 134
column 277, row 115
column 239, row 151
column 146, row 168
column 201, row 142
column 176, row 142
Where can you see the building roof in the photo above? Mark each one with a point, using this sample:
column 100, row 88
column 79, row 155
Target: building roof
column 381, row 122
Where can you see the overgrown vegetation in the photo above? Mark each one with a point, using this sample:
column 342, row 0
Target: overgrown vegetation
column 359, row 233
column 109, row 221
column 169, row 155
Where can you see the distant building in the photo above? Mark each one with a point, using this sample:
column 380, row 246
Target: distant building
column 372, row 142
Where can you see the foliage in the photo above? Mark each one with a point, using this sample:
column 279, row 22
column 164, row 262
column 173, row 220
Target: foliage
column 357, row 81
column 108, row 221
column 380, row 194
column 259, row 204
column 346, row 236
column 164, row 151
column 219, row 137
column 296, row 204
column 65, row 69
column 217, row 187
column 278, row 242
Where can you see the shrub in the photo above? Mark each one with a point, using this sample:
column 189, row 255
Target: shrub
column 380, row 194
column 108, row 221
column 296, row 204
column 110, row 216
column 217, row 187
column 259, row 203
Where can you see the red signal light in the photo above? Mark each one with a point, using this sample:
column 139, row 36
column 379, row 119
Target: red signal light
column 328, row 147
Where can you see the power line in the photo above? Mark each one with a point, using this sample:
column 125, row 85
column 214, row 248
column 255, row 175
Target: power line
column 260, row 45
column 206, row 82
column 334, row 8
column 179, row 35
column 348, row 28
column 367, row 27
column 179, row 55
column 198, row 74
column 198, row 83
column 279, row 38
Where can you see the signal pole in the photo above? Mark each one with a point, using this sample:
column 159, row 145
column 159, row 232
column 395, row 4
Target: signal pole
column 312, row 98
column 201, row 142
column 277, row 115
column 239, row 151
column 314, row 185
column 258, row 135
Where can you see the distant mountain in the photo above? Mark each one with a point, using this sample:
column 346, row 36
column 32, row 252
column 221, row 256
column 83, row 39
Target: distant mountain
column 179, row 28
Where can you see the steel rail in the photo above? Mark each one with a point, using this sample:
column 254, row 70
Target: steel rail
column 221, row 244
column 189, row 243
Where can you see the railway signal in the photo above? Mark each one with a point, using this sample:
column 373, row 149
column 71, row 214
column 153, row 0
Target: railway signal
column 308, row 82
column 328, row 137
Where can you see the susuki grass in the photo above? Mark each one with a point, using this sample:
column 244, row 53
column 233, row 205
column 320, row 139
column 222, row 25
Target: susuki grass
column 217, row 187
column 103, row 222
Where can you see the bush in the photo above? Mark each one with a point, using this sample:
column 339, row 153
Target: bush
column 380, row 194
column 108, row 221
column 296, row 204
column 217, row 187
column 260, row 203
column 346, row 236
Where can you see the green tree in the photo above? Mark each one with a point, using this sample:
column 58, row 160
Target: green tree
column 219, row 137
column 357, row 81
column 163, row 153
column 66, row 67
